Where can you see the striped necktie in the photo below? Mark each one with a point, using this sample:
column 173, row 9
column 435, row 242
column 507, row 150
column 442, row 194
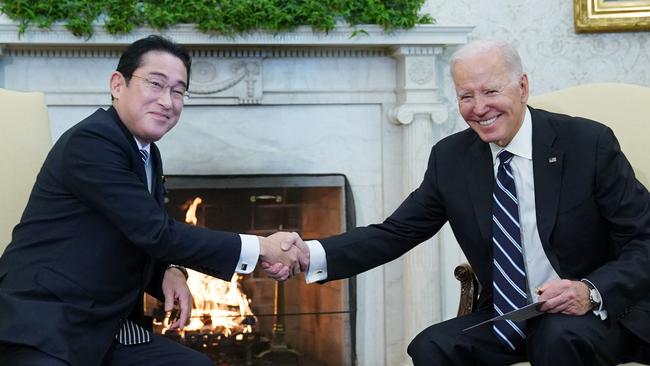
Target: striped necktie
column 144, row 155
column 509, row 272
column 130, row 334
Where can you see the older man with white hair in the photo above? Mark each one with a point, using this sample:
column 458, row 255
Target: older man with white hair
column 546, row 209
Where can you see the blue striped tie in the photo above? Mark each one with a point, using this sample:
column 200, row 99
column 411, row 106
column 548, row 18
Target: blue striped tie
column 144, row 155
column 508, row 273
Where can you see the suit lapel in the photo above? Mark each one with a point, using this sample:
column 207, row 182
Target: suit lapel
column 547, row 172
column 479, row 177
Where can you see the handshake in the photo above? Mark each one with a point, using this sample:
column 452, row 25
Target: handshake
column 283, row 255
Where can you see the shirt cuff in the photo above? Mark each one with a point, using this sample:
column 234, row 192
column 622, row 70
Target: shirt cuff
column 250, row 253
column 317, row 262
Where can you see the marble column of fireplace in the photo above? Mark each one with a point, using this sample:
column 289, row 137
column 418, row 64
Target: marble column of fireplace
column 367, row 107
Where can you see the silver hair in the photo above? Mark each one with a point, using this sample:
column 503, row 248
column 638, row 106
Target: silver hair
column 497, row 48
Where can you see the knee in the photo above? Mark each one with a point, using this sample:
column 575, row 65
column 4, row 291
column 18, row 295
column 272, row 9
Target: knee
column 418, row 351
column 557, row 332
column 417, row 347
column 571, row 338
column 424, row 349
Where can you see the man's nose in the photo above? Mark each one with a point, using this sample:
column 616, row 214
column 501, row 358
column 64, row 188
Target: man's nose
column 480, row 105
column 165, row 98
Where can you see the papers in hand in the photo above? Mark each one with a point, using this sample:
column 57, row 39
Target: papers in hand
column 527, row 312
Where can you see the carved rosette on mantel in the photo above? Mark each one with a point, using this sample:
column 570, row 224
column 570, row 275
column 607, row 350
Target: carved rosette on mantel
column 417, row 91
column 341, row 98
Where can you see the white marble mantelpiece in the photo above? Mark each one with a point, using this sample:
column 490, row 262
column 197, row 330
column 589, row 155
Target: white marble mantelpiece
column 367, row 106
column 188, row 35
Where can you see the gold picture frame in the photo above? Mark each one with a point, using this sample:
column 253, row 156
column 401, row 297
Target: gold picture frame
column 611, row 15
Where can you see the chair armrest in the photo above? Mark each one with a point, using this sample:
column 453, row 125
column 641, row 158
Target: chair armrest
column 468, row 288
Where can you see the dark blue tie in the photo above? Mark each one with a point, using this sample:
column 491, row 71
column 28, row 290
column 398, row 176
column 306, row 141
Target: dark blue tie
column 508, row 272
column 144, row 155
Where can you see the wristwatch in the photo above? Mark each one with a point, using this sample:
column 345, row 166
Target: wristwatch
column 180, row 268
column 594, row 295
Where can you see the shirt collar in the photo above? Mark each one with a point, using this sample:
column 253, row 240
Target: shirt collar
column 521, row 144
column 146, row 147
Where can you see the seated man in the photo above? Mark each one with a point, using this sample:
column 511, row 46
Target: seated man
column 95, row 236
column 545, row 207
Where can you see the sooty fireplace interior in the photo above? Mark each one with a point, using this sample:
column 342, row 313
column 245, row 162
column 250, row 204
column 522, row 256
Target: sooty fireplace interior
column 252, row 320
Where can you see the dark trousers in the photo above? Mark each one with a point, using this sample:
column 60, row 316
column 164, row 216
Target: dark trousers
column 159, row 352
column 19, row 355
column 551, row 340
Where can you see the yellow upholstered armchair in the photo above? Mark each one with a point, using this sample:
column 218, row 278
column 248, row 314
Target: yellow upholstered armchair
column 622, row 107
column 24, row 143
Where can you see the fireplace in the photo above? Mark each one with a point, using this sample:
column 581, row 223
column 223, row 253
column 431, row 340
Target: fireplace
column 253, row 320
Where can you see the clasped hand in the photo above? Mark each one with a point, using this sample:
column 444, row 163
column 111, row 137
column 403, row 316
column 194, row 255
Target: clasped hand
column 565, row 297
column 283, row 255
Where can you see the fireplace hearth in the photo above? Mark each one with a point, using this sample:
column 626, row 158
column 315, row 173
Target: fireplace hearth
column 252, row 320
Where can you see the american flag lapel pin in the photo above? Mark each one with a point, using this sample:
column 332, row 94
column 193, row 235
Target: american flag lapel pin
column 552, row 159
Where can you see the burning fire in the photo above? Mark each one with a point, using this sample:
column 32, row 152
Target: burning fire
column 218, row 305
column 190, row 215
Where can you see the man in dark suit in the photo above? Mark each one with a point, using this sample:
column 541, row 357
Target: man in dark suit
column 95, row 237
column 575, row 233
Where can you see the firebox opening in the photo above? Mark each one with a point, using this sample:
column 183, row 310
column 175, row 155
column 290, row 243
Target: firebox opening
column 316, row 323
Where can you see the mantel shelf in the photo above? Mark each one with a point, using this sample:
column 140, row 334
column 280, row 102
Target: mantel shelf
column 421, row 35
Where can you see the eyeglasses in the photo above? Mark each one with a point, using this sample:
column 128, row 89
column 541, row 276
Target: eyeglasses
column 157, row 87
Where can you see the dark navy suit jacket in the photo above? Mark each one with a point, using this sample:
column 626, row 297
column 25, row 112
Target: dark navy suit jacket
column 91, row 241
column 593, row 215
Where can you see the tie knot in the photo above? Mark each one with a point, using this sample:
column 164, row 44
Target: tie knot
column 504, row 156
column 144, row 155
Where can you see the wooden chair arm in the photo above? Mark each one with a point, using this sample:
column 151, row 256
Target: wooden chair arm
column 468, row 288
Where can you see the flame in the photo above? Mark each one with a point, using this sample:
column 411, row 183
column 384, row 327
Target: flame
column 218, row 305
column 223, row 303
column 190, row 215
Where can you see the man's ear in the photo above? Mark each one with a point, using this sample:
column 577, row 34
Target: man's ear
column 523, row 85
column 116, row 83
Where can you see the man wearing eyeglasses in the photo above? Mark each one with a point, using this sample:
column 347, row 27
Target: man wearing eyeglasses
column 95, row 237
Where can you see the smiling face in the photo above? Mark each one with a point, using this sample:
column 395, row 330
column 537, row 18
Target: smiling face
column 146, row 112
column 491, row 100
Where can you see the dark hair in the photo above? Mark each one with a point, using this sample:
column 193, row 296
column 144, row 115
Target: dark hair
column 131, row 59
